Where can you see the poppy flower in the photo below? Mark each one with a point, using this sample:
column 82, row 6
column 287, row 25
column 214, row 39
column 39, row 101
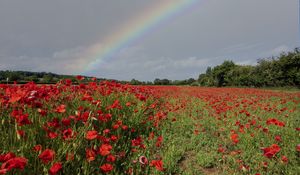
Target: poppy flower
column 284, row 159
column 159, row 141
column 111, row 158
column 79, row 77
column 106, row 168
column 47, row 156
column 113, row 138
column 37, row 148
column 90, row 154
column 66, row 121
column 61, row 109
column 104, row 149
column 21, row 133
column 16, row 162
column 6, row 157
column 23, row 120
column 52, row 135
column 234, row 138
column 143, row 160
column 298, row 147
column 158, row 164
column 68, row 134
column 271, row 151
column 278, row 138
column 55, row 168
column 91, row 135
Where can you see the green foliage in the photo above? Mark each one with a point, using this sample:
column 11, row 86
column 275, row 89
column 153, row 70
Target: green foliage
column 281, row 71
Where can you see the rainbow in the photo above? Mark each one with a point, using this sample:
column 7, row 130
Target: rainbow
column 145, row 22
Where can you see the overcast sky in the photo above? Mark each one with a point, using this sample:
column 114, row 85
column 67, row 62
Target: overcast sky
column 55, row 36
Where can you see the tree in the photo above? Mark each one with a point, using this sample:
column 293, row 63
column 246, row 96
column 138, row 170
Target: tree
column 220, row 72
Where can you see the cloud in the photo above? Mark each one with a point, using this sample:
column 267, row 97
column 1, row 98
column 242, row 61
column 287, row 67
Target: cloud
column 68, row 61
column 241, row 47
column 134, row 63
column 247, row 62
column 278, row 50
column 35, row 38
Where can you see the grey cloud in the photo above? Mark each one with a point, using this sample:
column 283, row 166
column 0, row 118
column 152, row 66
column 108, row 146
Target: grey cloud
column 58, row 36
column 132, row 62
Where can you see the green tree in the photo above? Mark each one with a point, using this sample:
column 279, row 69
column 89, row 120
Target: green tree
column 220, row 73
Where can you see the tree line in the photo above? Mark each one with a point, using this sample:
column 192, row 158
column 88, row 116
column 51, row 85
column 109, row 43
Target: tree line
column 21, row 77
column 280, row 71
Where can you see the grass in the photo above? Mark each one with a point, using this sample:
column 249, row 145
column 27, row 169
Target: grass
column 194, row 140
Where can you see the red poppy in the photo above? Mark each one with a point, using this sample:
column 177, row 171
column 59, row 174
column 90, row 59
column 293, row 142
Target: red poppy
column 298, row 147
column 16, row 162
column 66, row 121
column 23, row 119
column 68, row 82
column 284, row 159
column 271, row 151
column 52, row 135
column 79, row 77
column 90, row 154
column 158, row 164
column 104, row 149
column 61, row 109
column 68, row 134
column 37, row 148
column 3, row 171
column 106, row 167
column 21, row 133
column 6, row 157
column 55, row 168
column 143, row 160
column 159, row 141
column 234, row 138
column 47, row 156
column 111, row 158
column 113, row 138
column 278, row 138
column 91, row 135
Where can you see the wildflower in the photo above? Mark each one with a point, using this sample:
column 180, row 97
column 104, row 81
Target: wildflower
column 271, row 151
column 47, row 156
column 37, row 148
column 61, row 109
column 16, row 162
column 106, row 167
column 55, row 168
column 104, row 149
column 158, row 164
column 159, row 141
column 91, row 135
column 143, row 160
column 278, row 138
column 68, row 134
column 111, row 158
column 234, row 138
column 284, row 159
column 90, row 154
column 6, row 157
column 79, row 77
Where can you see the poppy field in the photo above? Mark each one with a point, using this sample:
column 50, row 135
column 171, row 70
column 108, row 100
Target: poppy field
column 109, row 128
